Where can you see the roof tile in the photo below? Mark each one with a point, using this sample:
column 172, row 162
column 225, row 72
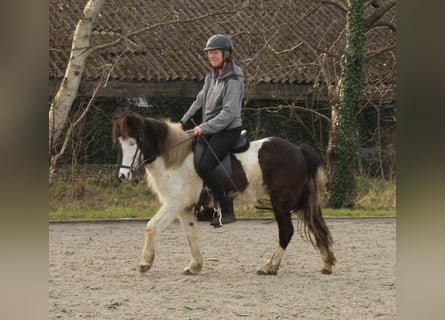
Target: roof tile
column 262, row 33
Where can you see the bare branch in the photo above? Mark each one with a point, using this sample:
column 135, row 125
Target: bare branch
column 265, row 58
column 163, row 22
column 70, row 130
column 387, row 24
column 375, row 53
column 322, row 56
column 374, row 3
column 337, row 3
column 284, row 107
column 67, row 91
column 285, row 50
column 317, row 49
column 372, row 19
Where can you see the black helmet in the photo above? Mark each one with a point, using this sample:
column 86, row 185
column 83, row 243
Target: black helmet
column 219, row 41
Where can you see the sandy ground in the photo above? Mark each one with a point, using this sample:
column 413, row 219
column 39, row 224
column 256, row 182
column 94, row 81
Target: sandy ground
column 92, row 273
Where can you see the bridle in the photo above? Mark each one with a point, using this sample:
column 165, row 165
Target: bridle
column 132, row 167
column 150, row 159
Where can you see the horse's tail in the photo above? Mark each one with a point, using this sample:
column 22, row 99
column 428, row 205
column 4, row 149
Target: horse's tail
column 310, row 213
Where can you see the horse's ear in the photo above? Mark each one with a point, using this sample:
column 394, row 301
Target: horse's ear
column 119, row 126
column 120, row 113
column 126, row 124
column 133, row 124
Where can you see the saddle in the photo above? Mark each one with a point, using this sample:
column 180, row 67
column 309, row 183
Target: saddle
column 224, row 168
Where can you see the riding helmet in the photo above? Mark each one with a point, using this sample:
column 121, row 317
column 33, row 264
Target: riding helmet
column 219, row 41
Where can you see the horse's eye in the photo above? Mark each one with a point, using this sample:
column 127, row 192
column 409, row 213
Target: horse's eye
column 132, row 142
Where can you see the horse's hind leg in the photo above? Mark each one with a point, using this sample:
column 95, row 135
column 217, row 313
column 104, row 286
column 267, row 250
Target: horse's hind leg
column 190, row 228
column 328, row 260
column 286, row 231
column 324, row 242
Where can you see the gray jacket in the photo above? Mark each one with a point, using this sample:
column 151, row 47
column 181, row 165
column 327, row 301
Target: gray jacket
column 220, row 99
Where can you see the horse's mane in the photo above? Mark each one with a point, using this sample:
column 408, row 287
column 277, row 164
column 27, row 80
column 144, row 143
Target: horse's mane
column 175, row 144
column 119, row 126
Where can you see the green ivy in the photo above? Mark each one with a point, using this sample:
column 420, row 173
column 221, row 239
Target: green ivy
column 342, row 188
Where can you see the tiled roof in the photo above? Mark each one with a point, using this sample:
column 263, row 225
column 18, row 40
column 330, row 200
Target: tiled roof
column 262, row 34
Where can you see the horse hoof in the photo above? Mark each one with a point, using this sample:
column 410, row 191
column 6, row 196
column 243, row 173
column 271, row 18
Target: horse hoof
column 144, row 268
column 265, row 273
column 192, row 269
column 326, row 271
column 189, row 272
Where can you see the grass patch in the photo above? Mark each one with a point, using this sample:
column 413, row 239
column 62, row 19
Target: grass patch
column 95, row 214
column 329, row 212
column 92, row 192
column 375, row 194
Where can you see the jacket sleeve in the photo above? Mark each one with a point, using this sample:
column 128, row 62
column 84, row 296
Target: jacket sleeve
column 197, row 104
column 231, row 108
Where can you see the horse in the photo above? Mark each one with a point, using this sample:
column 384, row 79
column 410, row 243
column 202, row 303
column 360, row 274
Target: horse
column 289, row 176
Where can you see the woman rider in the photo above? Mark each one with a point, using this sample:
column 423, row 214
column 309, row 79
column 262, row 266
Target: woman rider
column 220, row 104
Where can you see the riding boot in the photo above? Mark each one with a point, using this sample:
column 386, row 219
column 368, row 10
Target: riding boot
column 227, row 215
column 204, row 214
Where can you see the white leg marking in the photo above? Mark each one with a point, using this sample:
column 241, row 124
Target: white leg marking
column 273, row 264
column 190, row 227
column 166, row 214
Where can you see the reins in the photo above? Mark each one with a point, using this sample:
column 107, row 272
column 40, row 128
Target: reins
column 132, row 168
column 181, row 142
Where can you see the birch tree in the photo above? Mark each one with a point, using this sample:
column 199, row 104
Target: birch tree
column 80, row 50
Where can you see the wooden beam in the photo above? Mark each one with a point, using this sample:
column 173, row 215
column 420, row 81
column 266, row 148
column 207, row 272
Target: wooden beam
column 136, row 89
column 190, row 88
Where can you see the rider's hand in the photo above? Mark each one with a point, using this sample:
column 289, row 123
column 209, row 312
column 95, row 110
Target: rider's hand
column 197, row 131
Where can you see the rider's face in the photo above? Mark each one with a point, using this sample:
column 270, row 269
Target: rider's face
column 215, row 58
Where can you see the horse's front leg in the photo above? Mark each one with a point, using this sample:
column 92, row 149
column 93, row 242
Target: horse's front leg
column 163, row 218
column 190, row 227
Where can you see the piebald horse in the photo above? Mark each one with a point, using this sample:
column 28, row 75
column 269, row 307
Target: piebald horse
column 290, row 176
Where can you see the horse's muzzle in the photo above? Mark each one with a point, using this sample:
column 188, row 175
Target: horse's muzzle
column 124, row 175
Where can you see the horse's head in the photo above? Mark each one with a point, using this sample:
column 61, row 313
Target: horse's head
column 128, row 138
column 140, row 140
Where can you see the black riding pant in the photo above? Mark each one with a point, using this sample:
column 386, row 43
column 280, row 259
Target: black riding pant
column 220, row 143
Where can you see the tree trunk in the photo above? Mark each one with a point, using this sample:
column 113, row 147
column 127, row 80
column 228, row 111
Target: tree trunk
column 80, row 50
column 333, row 136
column 342, row 187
